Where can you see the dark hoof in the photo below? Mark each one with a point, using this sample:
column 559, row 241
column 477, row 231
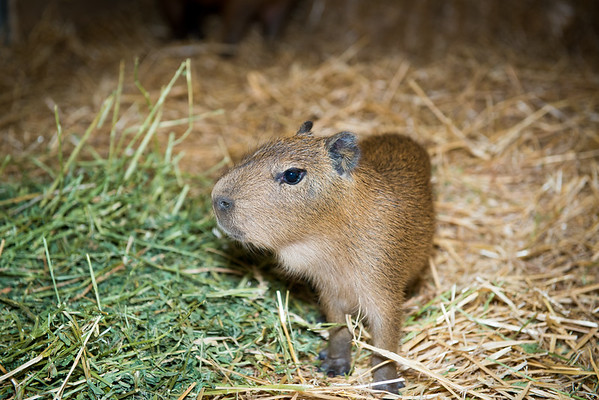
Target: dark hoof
column 389, row 387
column 335, row 366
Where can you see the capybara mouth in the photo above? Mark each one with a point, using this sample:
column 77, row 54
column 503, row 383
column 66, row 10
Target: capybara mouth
column 231, row 231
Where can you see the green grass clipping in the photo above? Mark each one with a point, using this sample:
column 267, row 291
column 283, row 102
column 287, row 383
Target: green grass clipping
column 114, row 285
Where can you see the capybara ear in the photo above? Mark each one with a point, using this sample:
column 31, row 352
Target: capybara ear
column 305, row 129
column 344, row 151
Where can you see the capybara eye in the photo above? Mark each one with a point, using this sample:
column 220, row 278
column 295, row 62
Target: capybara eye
column 293, row 176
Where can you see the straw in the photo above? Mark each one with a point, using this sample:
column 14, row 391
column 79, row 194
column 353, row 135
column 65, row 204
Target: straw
column 112, row 159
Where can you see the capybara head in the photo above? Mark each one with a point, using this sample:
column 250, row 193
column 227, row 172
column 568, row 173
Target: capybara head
column 277, row 194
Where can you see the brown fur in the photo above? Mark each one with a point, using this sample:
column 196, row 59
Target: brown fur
column 359, row 226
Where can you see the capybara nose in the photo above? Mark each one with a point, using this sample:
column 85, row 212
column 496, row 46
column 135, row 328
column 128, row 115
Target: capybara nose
column 223, row 203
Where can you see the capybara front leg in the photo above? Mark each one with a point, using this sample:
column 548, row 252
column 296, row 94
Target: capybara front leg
column 337, row 358
column 386, row 336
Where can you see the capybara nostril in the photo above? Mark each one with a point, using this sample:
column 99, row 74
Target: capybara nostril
column 223, row 203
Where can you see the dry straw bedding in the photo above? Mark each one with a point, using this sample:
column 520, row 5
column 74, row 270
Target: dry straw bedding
column 510, row 308
column 515, row 171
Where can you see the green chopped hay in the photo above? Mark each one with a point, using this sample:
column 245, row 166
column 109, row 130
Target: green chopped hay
column 114, row 285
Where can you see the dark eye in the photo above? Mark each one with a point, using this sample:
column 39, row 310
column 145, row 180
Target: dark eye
column 293, row 176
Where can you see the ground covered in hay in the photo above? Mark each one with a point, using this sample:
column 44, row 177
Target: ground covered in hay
column 114, row 283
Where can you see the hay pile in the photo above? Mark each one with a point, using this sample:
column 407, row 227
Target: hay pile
column 511, row 309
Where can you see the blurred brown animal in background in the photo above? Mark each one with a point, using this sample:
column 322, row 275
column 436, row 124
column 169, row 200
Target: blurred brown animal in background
column 186, row 17
column 355, row 219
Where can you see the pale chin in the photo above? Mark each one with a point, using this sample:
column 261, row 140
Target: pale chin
column 232, row 233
